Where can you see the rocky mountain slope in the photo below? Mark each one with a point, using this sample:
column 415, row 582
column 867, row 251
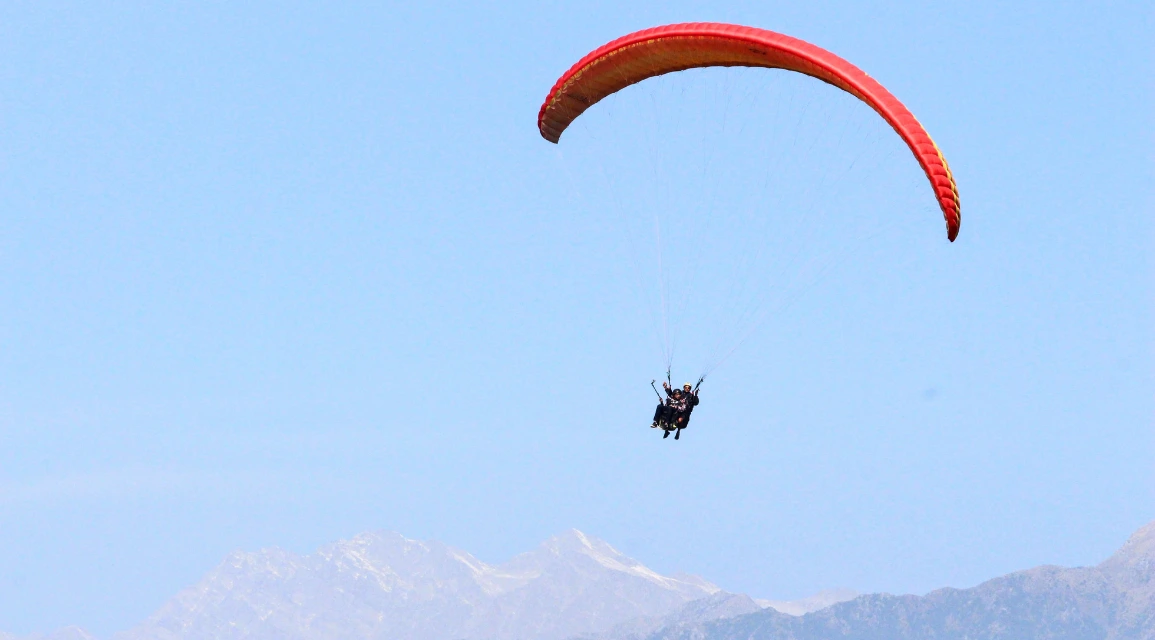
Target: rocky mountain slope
column 718, row 606
column 382, row 585
column 816, row 602
column 385, row 586
column 1112, row 601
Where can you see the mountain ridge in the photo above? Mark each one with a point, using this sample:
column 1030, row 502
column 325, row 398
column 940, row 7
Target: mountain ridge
column 1114, row 600
column 383, row 585
column 577, row 587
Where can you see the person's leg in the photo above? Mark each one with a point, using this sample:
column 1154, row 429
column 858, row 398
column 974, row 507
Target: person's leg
column 658, row 412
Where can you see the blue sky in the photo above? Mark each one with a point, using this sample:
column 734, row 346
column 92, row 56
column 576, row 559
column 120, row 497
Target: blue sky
column 281, row 273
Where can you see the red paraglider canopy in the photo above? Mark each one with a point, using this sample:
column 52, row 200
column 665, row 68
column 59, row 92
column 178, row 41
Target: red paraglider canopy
column 677, row 47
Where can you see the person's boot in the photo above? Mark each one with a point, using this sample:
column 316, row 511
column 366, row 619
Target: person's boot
column 654, row 425
column 665, row 434
column 677, row 434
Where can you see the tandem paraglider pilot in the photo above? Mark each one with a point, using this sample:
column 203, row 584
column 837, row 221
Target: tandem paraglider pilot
column 673, row 413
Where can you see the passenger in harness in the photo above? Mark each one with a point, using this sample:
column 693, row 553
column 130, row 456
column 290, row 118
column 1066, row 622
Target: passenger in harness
column 673, row 414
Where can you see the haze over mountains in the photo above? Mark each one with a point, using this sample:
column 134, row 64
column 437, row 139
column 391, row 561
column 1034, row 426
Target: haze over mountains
column 382, row 586
column 1114, row 601
column 67, row 633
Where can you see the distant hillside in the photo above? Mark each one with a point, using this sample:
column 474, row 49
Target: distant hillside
column 384, row 586
column 715, row 607
column 1113, row 601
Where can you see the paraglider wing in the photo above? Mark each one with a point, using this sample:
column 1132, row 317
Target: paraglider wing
column 677, row 47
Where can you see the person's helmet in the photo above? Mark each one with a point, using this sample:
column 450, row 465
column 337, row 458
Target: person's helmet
column 687, row 386
column 677, row 392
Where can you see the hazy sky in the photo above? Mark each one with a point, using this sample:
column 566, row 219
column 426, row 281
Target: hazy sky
column 276, row 274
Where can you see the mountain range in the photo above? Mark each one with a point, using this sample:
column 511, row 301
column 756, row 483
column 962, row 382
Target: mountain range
column 1112, row 601
column 383, row 586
